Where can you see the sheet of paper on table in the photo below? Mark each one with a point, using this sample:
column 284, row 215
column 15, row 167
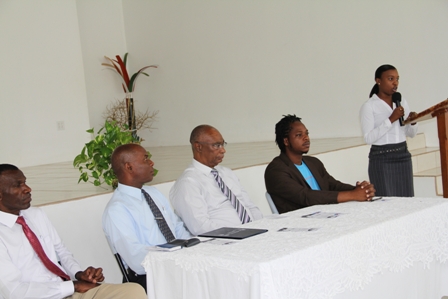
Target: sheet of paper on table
column 214, row 241
column 298, row 229
column 322, row 215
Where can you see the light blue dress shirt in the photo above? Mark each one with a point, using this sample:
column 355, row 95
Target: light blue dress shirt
column 130, row 225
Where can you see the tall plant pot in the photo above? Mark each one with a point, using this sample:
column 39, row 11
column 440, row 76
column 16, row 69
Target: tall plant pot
column 131, row 115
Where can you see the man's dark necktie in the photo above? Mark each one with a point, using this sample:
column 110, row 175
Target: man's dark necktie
column 161, row 222
column 242, row 213
column 34, row 241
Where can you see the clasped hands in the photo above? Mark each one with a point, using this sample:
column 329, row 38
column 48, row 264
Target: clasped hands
column 366, row 190
column 88, row 279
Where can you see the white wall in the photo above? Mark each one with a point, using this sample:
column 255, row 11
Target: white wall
column 240, row 65
column 42, row 82
column 348, row 165
column 236, row 64
column 102, row 34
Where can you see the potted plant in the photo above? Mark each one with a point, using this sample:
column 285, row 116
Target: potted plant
column 94, row 161
column 128, row 83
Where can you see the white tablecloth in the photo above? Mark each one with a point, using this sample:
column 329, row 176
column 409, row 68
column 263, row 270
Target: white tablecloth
column 345, row 253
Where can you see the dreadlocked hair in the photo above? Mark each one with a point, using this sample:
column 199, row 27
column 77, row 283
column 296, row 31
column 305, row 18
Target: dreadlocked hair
column 282, row 129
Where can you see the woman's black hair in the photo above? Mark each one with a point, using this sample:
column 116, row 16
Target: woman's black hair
column 379, row 71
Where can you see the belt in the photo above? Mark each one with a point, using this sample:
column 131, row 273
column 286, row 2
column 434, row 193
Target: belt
column 391, row 150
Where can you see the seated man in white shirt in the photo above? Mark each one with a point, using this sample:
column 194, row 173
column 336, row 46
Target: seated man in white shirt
column 199, row 199
column 30, row 248
column 128, row 220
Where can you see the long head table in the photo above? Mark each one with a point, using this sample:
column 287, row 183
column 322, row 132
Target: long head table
column 343, row 253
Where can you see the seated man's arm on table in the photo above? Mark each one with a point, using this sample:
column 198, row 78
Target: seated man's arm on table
column 346, row 192
column 188, row 199
column 283, row 184
column 364, row 191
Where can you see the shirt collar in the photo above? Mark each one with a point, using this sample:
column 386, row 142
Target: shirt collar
column 376, row 97
column 131, row 191
column 202, row 168
column 8, row 219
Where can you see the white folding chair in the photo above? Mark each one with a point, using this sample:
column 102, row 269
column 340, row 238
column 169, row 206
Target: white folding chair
column 271, row 204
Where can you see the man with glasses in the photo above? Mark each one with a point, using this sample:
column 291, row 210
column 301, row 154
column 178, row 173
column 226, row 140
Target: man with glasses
column 208, row 196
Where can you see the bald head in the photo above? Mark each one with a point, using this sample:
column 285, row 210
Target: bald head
column 200, row 130
column 120, row 156
column 131, row 165
column 207, row 145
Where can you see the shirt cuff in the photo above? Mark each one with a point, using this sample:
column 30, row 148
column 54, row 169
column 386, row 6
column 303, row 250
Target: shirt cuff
column 67, row 288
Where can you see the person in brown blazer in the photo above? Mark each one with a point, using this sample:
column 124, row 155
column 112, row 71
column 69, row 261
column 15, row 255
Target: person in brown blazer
column 295, row 181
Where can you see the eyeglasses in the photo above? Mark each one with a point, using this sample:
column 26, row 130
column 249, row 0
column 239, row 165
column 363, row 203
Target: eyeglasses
column 215, row 146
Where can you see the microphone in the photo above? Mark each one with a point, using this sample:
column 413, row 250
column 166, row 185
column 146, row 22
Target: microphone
column 396, row 98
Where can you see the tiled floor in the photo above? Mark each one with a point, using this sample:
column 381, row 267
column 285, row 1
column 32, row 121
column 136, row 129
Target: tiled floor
column 58, row 182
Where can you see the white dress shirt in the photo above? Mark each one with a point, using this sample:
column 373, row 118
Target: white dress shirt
column 22, row 273
column 131, row 227
column 376, row 126
column 200, row 203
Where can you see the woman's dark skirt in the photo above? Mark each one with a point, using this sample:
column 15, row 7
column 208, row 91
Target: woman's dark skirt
column 390, row 170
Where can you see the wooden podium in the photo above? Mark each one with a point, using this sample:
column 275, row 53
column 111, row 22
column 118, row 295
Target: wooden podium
column 440, row 111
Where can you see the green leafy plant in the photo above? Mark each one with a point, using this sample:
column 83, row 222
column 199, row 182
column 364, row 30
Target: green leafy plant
column 94, row 161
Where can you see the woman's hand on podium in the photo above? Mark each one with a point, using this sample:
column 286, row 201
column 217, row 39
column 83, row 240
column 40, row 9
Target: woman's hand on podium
column 412, row 115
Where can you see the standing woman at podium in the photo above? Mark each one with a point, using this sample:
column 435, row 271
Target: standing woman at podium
column 390, row 164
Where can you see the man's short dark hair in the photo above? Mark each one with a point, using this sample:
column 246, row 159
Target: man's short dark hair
column 198, row 131
column 6, row 167
column 120, row 156
column 282, row 129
